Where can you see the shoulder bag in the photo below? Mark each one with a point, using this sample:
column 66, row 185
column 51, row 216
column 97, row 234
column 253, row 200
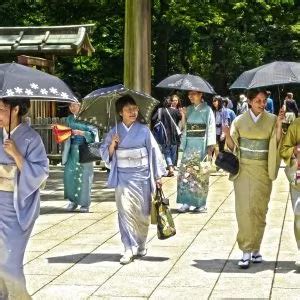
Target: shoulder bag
column 159, row 130
column 89, row 152
column 176, row 126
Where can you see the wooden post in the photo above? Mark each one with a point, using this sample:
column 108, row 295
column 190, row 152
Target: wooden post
column 137, row 60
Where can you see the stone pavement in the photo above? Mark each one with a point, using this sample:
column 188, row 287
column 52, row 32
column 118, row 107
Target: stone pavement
column 76, row 256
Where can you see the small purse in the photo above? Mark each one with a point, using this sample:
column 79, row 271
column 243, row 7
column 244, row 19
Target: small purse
column 89, row 152
column 228, row 162
column 7, row 177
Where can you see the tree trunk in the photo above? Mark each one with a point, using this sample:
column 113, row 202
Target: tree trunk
column 137, row 64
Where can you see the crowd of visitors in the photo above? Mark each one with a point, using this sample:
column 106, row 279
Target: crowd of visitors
column 254, row 135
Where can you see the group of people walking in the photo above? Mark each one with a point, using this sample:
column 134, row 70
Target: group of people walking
column 137, row 166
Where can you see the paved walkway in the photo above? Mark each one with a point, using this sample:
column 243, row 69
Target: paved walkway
column 76, row 256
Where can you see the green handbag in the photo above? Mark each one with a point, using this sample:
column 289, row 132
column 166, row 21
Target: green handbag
column 165, row 222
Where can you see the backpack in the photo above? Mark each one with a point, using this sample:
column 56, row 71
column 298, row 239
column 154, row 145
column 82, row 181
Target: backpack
column 159, row 130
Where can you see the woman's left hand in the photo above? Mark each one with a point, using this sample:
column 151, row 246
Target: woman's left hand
column 10, row 148
column 210, row 150
column 158, row 183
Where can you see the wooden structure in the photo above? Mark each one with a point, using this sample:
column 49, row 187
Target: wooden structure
column 38, row 47
column 137, row 59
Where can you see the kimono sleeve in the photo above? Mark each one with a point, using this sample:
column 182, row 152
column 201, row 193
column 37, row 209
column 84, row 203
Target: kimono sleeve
column 88, row 131
column 274, row 154
column 34, row 172
column 211, row 128
column 234, row 133
column 104, row 148
column 288, row 143
column 156, row 164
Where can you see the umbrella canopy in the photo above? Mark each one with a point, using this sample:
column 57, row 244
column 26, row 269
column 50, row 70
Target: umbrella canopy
column 18, row 81
column 99, row 106
column 275, row 73
column 186, row 82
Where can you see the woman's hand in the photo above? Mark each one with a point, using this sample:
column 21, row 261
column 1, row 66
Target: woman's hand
column 226, row 130
column 281, row 116
column 113, row 145
column 115, row 140
column 210, row 151
column 158, row 183
column 11, row 149
column 77, row 132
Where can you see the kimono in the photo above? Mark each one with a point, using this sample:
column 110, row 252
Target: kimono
column 133, row 178
column 199, row 133
column 290, row 140
column 78, row 178
column 258, row 154
column 20, row 208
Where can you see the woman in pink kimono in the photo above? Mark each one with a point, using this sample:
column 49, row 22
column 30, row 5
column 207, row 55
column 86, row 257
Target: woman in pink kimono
column 23, row 168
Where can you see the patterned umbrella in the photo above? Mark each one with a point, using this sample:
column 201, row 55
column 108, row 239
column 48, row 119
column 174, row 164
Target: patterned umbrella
column 275, row 73
column 99, row 106
column 18, row 81
column 186, row 82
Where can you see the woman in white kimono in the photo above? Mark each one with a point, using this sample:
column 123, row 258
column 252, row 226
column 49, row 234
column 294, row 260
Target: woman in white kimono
column 254, row 137
column 136, row 167
column 23, row 168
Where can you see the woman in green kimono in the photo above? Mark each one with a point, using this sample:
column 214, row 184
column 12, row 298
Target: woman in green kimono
column 254, row 137
column 78, row 177
column 290, row 152
column 198, row 140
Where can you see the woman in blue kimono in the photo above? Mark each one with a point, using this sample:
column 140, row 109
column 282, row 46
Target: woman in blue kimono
column 136, row 167
column 78, row 178
column 198, row 140
column 23, row 168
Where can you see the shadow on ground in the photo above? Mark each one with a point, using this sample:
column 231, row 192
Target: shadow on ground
column 230, row 266
column 90, row 258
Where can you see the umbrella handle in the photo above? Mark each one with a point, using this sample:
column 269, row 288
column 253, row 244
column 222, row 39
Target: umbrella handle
column 9, row 124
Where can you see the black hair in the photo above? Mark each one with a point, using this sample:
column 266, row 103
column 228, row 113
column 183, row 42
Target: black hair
column 23, row 103
column 220, row 102
column 123, row 101
column 225, row 102
column 251, row 94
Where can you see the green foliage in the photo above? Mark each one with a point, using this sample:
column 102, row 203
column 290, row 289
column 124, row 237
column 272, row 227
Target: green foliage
column 215, row 39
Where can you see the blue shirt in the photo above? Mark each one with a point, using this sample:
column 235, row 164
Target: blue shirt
column 269, row 106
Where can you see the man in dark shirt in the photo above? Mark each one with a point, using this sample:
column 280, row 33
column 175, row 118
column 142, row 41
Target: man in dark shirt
column 290, row 104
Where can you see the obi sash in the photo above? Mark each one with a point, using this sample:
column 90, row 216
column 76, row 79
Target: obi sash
column 7, row 177
column 132, row 158
column 254, row 149
column 195, row 130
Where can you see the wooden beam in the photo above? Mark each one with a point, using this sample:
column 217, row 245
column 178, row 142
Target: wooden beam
column 47, row 64
column 137, row 53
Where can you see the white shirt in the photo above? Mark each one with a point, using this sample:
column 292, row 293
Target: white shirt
column 127, row 128
column 5, row 134
column 253, row 116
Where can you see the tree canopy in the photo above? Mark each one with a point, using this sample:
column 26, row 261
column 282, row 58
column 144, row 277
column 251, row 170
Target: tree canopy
column 215, row 39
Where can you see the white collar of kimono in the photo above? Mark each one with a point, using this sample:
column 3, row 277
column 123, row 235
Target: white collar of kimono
column 253, row 116
column 5, row 134
column 198, row 105
column 127, row 128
